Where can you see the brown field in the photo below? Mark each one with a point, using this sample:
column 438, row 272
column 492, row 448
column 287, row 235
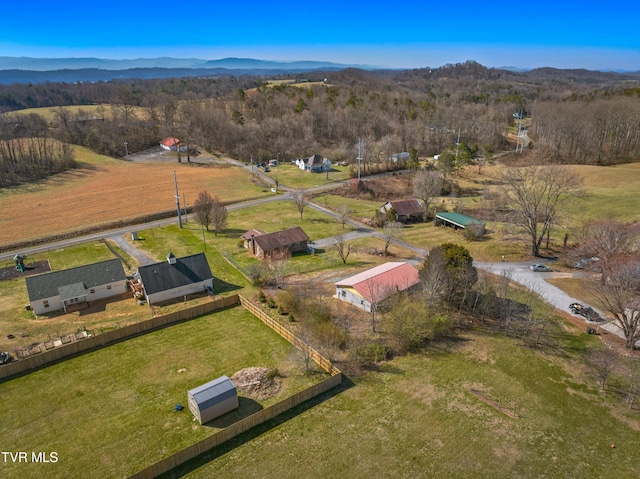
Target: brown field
column 105, row 190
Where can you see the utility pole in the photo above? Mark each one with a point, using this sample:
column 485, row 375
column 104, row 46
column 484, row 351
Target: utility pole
column 519, row 142
column 359, row 158
column 186, row 213
column 175, row 181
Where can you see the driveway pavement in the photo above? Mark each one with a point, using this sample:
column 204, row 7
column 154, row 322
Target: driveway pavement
column 537, row 282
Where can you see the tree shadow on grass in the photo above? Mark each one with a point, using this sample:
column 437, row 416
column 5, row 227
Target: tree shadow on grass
column 255, row 432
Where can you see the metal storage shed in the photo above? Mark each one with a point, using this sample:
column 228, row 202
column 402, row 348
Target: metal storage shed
column 213, row 399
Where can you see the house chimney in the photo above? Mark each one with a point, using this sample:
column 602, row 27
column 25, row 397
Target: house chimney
column 171, row 259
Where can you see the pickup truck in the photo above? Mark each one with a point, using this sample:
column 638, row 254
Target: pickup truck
column 587, row 312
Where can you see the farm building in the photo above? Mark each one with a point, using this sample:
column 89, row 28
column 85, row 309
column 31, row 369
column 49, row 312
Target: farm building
column 281, row 244
column 373, row 286
column 72, row 289
column 314, row 164
column 249, row 235
column 172, row 144
column 213, row 399
column 459, row 221
column 175, row 277
column 404, row 156
column 406, row 211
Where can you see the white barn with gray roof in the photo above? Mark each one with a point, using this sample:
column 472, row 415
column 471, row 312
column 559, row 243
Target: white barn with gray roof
column 213, row 399
column 175, row 277
column 74, row 288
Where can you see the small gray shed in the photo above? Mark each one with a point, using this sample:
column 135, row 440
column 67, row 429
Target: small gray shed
column 213, row 399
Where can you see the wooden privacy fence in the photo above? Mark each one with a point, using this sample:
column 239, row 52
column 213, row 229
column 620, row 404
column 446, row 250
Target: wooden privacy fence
column 323, row 362
column 239, row 427
column 193, row 451
column 74, row 348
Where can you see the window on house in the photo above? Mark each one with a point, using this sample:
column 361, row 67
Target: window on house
column 108, row 286
column 92, row 291
column 46, row 303
column 344, row 293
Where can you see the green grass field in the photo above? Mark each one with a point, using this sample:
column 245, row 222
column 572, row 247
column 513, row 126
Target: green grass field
column 532, row 416
column 293, row 177
column 110, row 413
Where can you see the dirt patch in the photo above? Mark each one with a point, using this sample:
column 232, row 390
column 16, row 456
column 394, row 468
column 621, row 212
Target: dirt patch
column 259, row 383
column 37, row 267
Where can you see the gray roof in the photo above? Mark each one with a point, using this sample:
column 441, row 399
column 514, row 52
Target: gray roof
column 163, row 276
column 213, row 392
column 68, row 281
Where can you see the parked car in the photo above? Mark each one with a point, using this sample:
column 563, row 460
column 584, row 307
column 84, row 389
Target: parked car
column 266, row 169
column 586, row 311
column 585, row 262
column 539, row 268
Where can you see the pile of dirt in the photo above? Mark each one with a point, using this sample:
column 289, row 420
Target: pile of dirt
column 260, row 383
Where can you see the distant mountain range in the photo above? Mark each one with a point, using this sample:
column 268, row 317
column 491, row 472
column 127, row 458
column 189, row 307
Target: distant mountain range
column 48, row 64
column 38, row 70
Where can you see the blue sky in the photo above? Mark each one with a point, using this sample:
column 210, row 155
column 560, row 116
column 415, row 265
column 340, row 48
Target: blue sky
column 403, row 34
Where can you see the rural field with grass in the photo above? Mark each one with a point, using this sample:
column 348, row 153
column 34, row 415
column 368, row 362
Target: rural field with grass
column 120, row 400
column 475, row 407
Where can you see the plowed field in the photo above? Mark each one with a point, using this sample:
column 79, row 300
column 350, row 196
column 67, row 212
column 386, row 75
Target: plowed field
column 105, row 190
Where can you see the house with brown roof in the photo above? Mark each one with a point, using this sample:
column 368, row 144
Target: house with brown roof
column 405, row 211
column 278, row 245
column 373, row 286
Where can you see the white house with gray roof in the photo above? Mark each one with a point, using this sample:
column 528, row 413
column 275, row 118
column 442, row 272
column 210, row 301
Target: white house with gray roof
column 74, row 288
column 175, row 277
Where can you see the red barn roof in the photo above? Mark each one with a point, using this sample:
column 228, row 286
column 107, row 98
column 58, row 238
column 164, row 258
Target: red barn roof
column 170, row 142
column 382, row 281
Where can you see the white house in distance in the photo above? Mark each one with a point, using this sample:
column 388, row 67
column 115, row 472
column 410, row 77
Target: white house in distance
column 175, row 277
column 72, row 289
column 314, row 164
column 213, row 399
column 373, row 286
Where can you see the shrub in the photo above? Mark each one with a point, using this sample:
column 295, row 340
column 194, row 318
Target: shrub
column 271, row 303
column 370, row 353
column 261, row 297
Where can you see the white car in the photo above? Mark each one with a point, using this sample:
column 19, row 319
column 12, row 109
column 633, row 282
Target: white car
column 539, row 268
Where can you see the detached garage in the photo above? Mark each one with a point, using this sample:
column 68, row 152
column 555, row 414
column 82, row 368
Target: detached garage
column 213, row 399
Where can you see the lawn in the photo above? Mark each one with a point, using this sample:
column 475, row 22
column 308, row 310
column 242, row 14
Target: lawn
column 481, row 406
column 293, row 177
column 14, row 319
column 104, row 190
column 111, row 412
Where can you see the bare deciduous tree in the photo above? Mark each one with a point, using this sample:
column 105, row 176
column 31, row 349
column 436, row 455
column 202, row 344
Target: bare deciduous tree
column 427, row 184
column 343, row 248
column 344, row 213
column 391, row 231
column 603, row 362
column 219, row 215
column 299, row 198
column 203, row 209
column 537, row 194
column 618, row 294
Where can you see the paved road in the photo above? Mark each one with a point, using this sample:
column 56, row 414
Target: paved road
column 536, row 282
